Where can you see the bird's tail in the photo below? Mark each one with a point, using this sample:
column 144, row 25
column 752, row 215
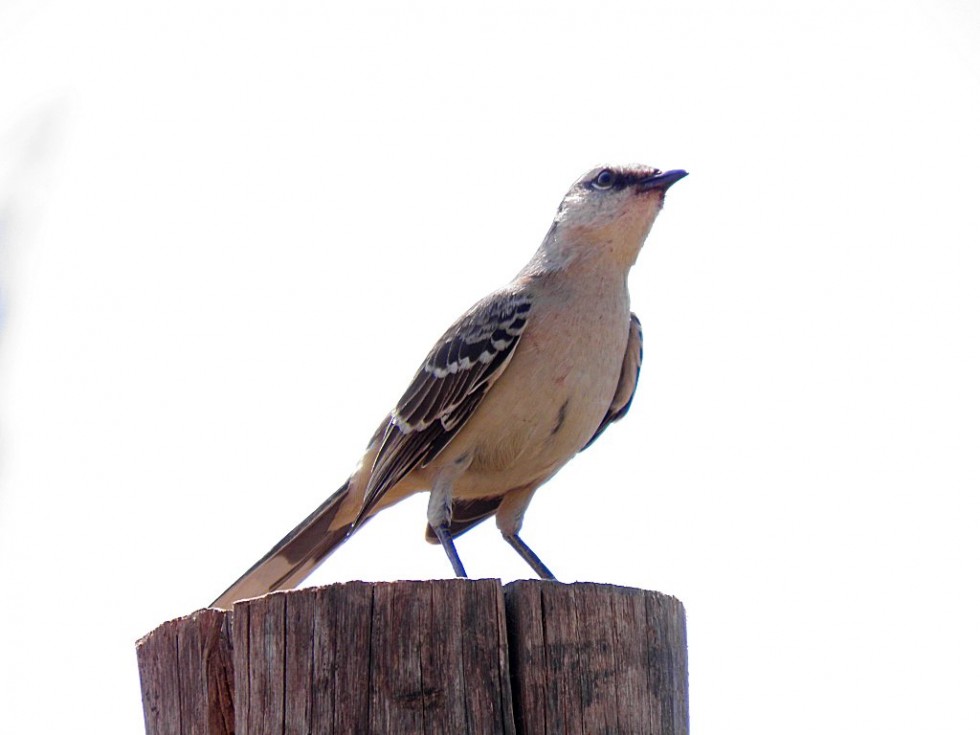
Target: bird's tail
column 291, row 560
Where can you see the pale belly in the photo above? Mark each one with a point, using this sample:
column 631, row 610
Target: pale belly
column 547, row 404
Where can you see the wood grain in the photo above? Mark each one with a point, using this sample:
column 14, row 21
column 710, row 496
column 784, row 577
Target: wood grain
column 185, row 670
column 382, row 658
column 591, row 658
column 444, row 656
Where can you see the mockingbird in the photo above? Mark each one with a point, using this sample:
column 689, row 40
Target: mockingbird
column 528, row 377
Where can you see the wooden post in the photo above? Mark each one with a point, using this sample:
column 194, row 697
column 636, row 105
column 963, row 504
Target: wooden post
column 445, row 656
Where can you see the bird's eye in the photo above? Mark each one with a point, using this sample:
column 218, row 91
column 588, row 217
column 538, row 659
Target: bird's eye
column 604, row 180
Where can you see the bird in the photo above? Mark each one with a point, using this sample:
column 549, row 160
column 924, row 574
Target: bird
column 523, row 381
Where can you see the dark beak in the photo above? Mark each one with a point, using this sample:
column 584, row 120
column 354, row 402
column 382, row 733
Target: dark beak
column 662, row 181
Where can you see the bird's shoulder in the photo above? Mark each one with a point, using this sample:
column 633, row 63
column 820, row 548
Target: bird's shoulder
column 448, row 387
column 471, row 352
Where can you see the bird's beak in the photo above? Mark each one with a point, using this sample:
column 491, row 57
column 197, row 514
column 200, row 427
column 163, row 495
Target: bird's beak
column 661, row 181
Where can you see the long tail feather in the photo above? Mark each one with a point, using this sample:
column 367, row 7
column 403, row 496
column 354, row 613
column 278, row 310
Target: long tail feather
column 293, row 559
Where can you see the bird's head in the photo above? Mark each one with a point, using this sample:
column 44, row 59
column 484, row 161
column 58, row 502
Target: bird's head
column 610, row 210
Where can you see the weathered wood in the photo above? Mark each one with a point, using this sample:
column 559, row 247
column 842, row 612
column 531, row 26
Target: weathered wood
column 186, row 675
column 446, row 656
column 379, row 658
column 590, row 658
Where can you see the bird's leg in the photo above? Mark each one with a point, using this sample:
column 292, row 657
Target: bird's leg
column 440, row 514
column 510, row 516
column 527, row 555
column 442, row 533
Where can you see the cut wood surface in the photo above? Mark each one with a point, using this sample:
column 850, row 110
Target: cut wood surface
column 443, row 656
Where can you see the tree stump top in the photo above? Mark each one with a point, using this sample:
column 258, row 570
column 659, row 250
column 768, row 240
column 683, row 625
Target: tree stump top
column 443, row 656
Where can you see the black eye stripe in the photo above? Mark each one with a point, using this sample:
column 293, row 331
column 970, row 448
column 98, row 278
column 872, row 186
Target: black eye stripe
column 609, row 180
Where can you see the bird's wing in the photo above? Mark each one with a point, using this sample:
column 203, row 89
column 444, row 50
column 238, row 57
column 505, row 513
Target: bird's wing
column 628, row 378
column 447, row 389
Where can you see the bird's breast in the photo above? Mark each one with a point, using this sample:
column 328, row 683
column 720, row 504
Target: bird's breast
column 551, row 398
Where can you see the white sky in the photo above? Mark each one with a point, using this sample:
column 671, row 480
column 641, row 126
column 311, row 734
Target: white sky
column 229, row 232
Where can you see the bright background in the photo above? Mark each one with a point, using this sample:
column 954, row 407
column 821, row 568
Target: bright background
column 230, row 231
